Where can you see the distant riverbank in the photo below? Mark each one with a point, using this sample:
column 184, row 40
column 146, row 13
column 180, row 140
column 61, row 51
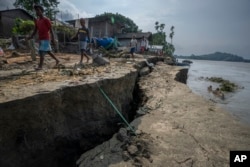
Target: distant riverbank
column 217, row 56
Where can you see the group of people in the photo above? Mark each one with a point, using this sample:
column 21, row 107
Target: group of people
column 216, row 92
column 45, row 33
column 44, row 28
column 133, row 45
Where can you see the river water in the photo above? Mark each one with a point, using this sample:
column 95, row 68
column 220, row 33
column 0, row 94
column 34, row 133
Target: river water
column 237, row 103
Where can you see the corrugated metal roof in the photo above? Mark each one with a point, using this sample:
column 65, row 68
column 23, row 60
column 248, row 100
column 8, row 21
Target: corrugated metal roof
column 24, row 11
column 137, row 35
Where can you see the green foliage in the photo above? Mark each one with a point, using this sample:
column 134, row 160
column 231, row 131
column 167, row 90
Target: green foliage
column 69, row 31
column 22, row 27
column 159, row 38
column 129, row 25
column 159, row 27
column 225, row 85
column 171, row 35
column 168, row 49
column 49, row 6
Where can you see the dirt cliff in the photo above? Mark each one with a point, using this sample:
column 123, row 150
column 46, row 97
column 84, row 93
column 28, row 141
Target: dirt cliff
column 178, row 129
column 49, row 117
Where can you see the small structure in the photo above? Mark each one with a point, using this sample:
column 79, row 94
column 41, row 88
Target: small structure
column 125, row 38
column 99, row 27
column 7, row 20
column 156, row 49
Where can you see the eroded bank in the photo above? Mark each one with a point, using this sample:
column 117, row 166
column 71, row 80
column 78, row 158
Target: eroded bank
column 53, row 127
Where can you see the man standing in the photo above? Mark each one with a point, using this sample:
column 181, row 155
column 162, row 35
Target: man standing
column 133, row 45
column 144, row 44
column 44, row 28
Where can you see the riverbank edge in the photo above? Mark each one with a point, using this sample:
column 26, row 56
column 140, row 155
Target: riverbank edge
column 183, row 129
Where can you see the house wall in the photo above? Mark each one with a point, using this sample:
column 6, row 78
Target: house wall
column 101, row 29
column 125, row 38
column 7, row 21
column 124, row 42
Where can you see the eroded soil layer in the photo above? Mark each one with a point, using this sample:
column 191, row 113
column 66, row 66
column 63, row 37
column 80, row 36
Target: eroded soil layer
column 49, row 117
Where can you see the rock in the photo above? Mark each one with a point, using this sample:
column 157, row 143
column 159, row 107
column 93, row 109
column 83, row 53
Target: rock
column 132, row 149
column 125, row 156
column 141, row 111
column 144, row 71
column 122, row 135
column 99, row 60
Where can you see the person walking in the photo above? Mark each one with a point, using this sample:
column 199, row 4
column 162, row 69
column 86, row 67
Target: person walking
column 83, row 34
column 44, row 28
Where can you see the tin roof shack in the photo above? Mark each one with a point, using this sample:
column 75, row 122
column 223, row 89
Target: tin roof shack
column 156, row 49
column 7, row 20
column 99, row 27
column 125, row 38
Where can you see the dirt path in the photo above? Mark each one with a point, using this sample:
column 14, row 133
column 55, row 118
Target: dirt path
column 180, row 129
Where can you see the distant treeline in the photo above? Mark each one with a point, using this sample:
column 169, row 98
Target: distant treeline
column 217, row 56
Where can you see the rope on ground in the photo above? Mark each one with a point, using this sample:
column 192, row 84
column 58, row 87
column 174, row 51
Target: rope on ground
column 118, row 112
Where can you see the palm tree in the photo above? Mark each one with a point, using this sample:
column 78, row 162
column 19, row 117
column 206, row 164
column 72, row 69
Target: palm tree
column 157, row 26
column 171, row 35
column 162, row 26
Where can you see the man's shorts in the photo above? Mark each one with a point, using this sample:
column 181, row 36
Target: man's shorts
column 83, row 45
column 44, row 47
column 132, row 50
column 142, row 48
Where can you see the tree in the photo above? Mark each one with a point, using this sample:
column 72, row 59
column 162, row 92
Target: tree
column 22, row 27
column 159, row 38
column 128, row 24
column 159, row 27
column 168, row 48
column 49, row 6
column 171, row 35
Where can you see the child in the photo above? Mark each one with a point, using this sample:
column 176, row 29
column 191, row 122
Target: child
column 43, row 26
column 83, row 37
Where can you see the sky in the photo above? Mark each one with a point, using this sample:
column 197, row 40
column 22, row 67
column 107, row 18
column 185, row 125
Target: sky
column 201, row 26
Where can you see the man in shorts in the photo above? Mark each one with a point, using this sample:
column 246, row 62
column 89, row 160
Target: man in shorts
column 83, row 34
column 44, row 28
column 133, row 45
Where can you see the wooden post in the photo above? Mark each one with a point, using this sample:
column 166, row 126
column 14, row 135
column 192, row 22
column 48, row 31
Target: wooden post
column 33, row 49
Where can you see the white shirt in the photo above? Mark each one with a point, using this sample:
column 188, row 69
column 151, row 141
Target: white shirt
column 144, row 42
column 133, row 43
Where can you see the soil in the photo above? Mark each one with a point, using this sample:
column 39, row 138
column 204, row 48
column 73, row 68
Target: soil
column 19, row 78
column 174, row 127
column 178, row 128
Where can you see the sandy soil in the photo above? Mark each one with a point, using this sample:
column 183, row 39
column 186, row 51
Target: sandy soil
column 19, row 79
column 180, row 129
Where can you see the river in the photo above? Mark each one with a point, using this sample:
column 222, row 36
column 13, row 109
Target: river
column 237, row 103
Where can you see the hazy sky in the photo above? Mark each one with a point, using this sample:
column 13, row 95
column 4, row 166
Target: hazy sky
column 201, row 26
